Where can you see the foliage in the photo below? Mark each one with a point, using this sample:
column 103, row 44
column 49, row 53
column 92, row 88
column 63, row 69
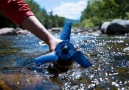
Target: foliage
column 47, row 19
column 5, row 22
column 98, row 11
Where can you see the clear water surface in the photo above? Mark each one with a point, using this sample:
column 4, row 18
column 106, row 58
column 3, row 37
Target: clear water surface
column 108, row 54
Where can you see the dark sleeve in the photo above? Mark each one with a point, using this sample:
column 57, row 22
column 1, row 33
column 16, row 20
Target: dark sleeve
column 16, row 10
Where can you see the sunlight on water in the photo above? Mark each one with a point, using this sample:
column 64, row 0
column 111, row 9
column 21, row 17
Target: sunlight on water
column 108, row 54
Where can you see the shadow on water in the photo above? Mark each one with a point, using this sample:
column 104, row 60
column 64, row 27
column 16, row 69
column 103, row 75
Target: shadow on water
column 108, row 54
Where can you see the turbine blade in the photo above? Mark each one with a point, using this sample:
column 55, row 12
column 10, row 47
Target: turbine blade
column 65, row 33
column 81, row 59
column 51, row 57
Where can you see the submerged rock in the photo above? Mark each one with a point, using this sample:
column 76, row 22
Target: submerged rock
column 20, row 81
column 3, row 86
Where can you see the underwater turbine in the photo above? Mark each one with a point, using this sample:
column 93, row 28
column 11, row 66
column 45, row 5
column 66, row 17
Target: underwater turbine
column 64, row 51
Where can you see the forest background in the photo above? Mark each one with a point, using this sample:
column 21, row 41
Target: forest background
column 95, row 13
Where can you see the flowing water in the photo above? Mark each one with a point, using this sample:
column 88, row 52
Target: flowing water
column 108, row 54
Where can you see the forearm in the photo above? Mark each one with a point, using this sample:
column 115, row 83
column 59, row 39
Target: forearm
column 34, row 26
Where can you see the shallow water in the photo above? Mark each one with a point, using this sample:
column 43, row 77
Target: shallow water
column 108, row 54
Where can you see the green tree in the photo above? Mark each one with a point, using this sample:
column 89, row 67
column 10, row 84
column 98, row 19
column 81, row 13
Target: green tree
column 5, row 22
column 99, row 11
column 48, row 20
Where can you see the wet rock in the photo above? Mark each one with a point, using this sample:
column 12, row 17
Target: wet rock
column 19, row 81
column 3, row 86
column 94, row 30
column 56, row 29
column 21, row 31
column 117, row 26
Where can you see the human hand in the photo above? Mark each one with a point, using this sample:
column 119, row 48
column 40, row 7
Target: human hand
column 53, row 43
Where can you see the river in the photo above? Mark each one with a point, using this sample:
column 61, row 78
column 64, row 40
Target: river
column 108, row 54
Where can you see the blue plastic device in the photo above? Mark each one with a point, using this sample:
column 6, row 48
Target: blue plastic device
column 64, row 50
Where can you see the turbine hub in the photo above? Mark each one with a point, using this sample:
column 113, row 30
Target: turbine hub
column 65, row 49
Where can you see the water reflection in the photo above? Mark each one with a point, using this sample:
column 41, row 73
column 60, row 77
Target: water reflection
column 109, row 55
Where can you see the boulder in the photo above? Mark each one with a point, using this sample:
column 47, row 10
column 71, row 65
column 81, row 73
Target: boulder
column 104, row 27
column 12, row 31
column 8, row 31
column 117, row 26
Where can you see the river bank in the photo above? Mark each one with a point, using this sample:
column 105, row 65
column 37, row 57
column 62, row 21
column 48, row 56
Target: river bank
column 12, row 31
column 19, row 31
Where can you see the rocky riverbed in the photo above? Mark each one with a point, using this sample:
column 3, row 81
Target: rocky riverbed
column 108, row 54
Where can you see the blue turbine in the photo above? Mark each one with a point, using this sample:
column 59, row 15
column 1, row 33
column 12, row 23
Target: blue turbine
column 64, row 50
